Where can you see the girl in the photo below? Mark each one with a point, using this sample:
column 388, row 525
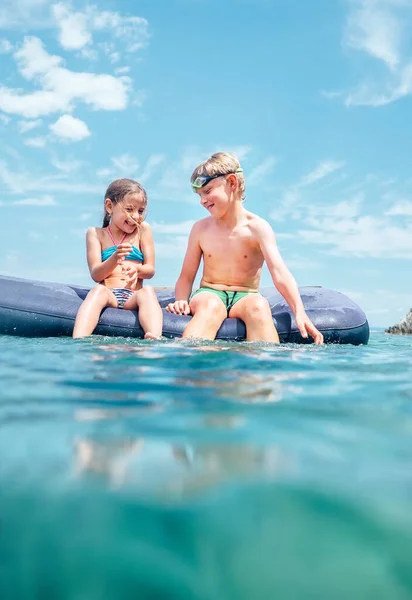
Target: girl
column 120, row 254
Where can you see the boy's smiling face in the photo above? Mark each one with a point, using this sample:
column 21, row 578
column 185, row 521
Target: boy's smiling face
column 217, row 195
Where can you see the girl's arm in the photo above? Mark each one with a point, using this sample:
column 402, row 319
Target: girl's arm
column 147, row 269
column 99, row 270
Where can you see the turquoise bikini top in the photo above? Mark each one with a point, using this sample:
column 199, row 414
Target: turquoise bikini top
column 135, row 253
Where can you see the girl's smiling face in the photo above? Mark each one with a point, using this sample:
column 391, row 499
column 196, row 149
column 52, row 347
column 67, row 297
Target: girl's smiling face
column 127, row 214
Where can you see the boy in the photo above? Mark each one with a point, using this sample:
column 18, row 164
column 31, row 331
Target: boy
column 234, row 243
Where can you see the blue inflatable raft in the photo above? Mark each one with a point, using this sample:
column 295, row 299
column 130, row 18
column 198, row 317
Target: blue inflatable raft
column 40, row 309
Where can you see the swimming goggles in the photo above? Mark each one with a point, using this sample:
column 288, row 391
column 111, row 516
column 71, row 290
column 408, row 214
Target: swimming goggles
column 203, row 180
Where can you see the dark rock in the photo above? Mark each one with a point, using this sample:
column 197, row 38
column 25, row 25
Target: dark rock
column 403, row 327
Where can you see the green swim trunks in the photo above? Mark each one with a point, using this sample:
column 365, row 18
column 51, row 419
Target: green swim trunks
column 229, row 299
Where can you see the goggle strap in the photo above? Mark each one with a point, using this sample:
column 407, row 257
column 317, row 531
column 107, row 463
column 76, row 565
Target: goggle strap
column 197, row 186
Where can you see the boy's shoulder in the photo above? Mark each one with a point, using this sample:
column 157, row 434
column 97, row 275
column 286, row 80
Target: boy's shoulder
column 202, row 224
column 257, row 223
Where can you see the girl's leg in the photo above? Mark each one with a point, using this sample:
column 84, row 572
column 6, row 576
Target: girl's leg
column 89, row 312
column 150, row 313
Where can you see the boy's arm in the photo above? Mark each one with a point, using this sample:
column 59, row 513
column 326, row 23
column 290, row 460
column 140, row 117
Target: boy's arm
column 187, row 275
column 284, row 281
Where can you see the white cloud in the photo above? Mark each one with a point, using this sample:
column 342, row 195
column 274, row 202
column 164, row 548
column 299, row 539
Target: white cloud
column 44, row 201
column 36, row 142
column 66, row 166
column 182, row 228
column 21, row 183
column 76, row 29
column 291, row 197
column 106, row 172
column 302, row 263
column 69, row 128
column 174, row 247
column 322, row 170
column 122, row 70
column 24, row 126
column 258, row 173
column 150, row 167
column 4, row 119
column 15, row 154
column 89, row 53
column 139, row 98
column 240, row 152
column 379, row 28
column 402, row 208
column 24, row 14
column 73, row 32
column 114, row 57
column 372, row 27
column 133, row 31
column 381, row 302
column 60, row 89
column 5, row 46
column 172, row 180
column 126, row 165
column 345, row 232
column 192, row 156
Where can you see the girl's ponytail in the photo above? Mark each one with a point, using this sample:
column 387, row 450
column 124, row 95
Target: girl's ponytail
column 106, row 219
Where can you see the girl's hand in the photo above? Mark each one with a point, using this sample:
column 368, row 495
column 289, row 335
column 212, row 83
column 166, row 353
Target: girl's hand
column 131, row 275
column 122, row 251
column 180, row 307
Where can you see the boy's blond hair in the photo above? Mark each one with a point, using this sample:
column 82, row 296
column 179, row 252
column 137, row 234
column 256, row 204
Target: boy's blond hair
column 221, row 163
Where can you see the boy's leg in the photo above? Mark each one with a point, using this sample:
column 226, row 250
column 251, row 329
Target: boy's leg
column 208, row 312
column 150, row 313
column 89, row 312
column 254, row 310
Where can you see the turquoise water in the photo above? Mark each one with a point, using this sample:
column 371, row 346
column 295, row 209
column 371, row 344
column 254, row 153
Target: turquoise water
column 136, row 469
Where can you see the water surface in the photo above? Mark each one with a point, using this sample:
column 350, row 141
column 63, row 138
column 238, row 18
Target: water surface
column 138, row 469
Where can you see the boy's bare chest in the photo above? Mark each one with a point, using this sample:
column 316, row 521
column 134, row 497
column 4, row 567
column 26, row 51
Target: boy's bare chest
column 220, row 246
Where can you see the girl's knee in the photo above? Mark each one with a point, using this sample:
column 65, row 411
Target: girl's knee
column 147, row 292
column 150, row 291
column 147, row 297
column 99, row 292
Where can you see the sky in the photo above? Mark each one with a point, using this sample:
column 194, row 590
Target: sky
column 314, row 97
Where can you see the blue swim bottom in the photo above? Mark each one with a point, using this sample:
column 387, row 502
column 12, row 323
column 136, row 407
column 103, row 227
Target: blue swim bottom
column 122, row 295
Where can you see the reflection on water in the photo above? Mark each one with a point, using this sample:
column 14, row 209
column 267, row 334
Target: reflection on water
column 155, row 466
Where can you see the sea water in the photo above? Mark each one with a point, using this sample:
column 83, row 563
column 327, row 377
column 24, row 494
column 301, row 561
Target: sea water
column 139, row 469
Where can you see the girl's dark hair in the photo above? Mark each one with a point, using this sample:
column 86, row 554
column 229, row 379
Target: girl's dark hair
column 118, row 190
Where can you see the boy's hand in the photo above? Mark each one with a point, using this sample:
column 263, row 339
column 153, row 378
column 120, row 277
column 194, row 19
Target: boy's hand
column 180, row 307
column 305, row 326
